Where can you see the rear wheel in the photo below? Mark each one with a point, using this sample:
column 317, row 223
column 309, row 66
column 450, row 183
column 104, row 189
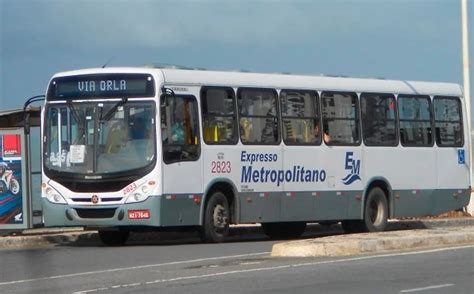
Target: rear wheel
column 114, row 238
column 375, row 214
column 284, row 230
column 216, row 219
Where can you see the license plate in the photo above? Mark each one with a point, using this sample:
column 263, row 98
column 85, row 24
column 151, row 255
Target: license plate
column 139, row 214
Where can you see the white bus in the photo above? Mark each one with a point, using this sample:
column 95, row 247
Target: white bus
column 129, row 149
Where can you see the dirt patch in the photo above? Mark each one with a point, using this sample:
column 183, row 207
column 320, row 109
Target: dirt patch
column 450, row 214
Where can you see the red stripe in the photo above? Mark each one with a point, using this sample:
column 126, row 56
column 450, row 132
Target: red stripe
column 7, row 199
column 8, row 217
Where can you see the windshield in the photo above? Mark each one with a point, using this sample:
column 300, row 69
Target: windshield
column 99, row 137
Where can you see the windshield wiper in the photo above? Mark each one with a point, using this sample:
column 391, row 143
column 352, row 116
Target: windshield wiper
column 112, row 111
column 74, row 112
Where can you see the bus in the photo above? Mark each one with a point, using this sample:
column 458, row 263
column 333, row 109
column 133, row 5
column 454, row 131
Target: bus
column 147, row 148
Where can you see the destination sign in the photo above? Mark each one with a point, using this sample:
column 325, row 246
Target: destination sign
column 101, row 86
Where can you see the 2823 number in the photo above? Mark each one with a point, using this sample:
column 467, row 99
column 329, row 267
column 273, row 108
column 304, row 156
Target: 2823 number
column 221, row 167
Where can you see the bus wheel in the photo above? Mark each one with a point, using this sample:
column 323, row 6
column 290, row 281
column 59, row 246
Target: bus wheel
column 375, row 214
column 114, row 238
column 375, row 211
column 284, row 230
column 216, row 219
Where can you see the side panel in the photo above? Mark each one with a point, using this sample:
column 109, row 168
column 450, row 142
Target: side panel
column 415, row 182
column 330, row 177
column 258, row 184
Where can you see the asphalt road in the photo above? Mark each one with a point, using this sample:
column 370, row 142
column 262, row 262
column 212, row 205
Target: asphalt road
column 240, row 266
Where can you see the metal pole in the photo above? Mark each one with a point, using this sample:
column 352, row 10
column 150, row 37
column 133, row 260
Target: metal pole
column 467, row 90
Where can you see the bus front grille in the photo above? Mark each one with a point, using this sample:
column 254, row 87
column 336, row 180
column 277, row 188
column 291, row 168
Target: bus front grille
column 95, row 213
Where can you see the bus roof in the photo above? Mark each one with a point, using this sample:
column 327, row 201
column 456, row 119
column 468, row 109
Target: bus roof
column 199, row 77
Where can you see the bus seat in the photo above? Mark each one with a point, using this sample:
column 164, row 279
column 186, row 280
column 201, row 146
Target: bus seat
column 211, row 133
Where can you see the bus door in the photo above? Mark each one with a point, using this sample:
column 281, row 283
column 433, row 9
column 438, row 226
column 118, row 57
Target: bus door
column 182, row 164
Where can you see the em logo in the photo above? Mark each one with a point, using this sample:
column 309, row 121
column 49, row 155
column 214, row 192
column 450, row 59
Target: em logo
column 353, row 166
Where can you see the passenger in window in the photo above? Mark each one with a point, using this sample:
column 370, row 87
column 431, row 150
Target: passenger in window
column 316, row 132
column 177, row 133
column 326, row 137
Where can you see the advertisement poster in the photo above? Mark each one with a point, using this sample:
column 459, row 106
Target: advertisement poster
column 11, row 198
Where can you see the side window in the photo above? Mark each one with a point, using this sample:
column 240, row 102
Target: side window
column 219, row 119
column 258, row 116
column 179, row 128
column 300, row 117
column 448, row 122
column 340, row 118
column 379, row 119
column 415, row 120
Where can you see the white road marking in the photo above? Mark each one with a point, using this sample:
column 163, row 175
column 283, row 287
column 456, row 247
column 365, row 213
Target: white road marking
column 426, row 288
column 250, row 263
column 132, row 268
column 276, row 268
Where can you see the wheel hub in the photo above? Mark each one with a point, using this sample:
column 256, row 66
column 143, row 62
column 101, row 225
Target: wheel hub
column 219, row 217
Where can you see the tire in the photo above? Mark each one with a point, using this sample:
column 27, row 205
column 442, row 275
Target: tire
column 114, row 238
column 375, row 214
column 216, row 219
column 14, row 186
column 375, row 211
column 289, row 230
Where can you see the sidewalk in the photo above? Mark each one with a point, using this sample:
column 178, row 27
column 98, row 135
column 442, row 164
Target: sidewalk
column 79, row 236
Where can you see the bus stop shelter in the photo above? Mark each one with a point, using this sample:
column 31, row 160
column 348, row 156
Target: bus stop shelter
column 20, row 169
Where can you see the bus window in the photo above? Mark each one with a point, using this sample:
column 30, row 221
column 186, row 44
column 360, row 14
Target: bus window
column 379, row 119
column 219, row 119
column 258, row 116
column 448, row 122
column 415, row 120
column 180, row 129
column 340, row 118
column 53, row 134
column 300, row 116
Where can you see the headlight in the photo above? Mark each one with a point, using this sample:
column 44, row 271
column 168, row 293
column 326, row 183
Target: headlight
column 136, row 197
column 53, row 196
column 141, row 193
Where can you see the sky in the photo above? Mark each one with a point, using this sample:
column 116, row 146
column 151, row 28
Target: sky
column 392, row 39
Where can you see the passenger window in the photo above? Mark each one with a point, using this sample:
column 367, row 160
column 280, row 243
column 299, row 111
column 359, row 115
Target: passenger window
column 258, row 116
column 448, row 122
column 300, row 116
column 179, row 128
column 379, row 120
column 219, row 118
column 340, row 118
column 415, row 120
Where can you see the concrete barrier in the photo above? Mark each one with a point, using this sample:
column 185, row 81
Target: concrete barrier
column 355, row 244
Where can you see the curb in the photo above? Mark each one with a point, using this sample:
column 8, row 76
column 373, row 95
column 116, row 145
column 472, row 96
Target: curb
column 355, row 244
column 77, row 236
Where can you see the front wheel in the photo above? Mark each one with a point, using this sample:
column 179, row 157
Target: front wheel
column 14, row 186
column 216, row 219
column 114, row 238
